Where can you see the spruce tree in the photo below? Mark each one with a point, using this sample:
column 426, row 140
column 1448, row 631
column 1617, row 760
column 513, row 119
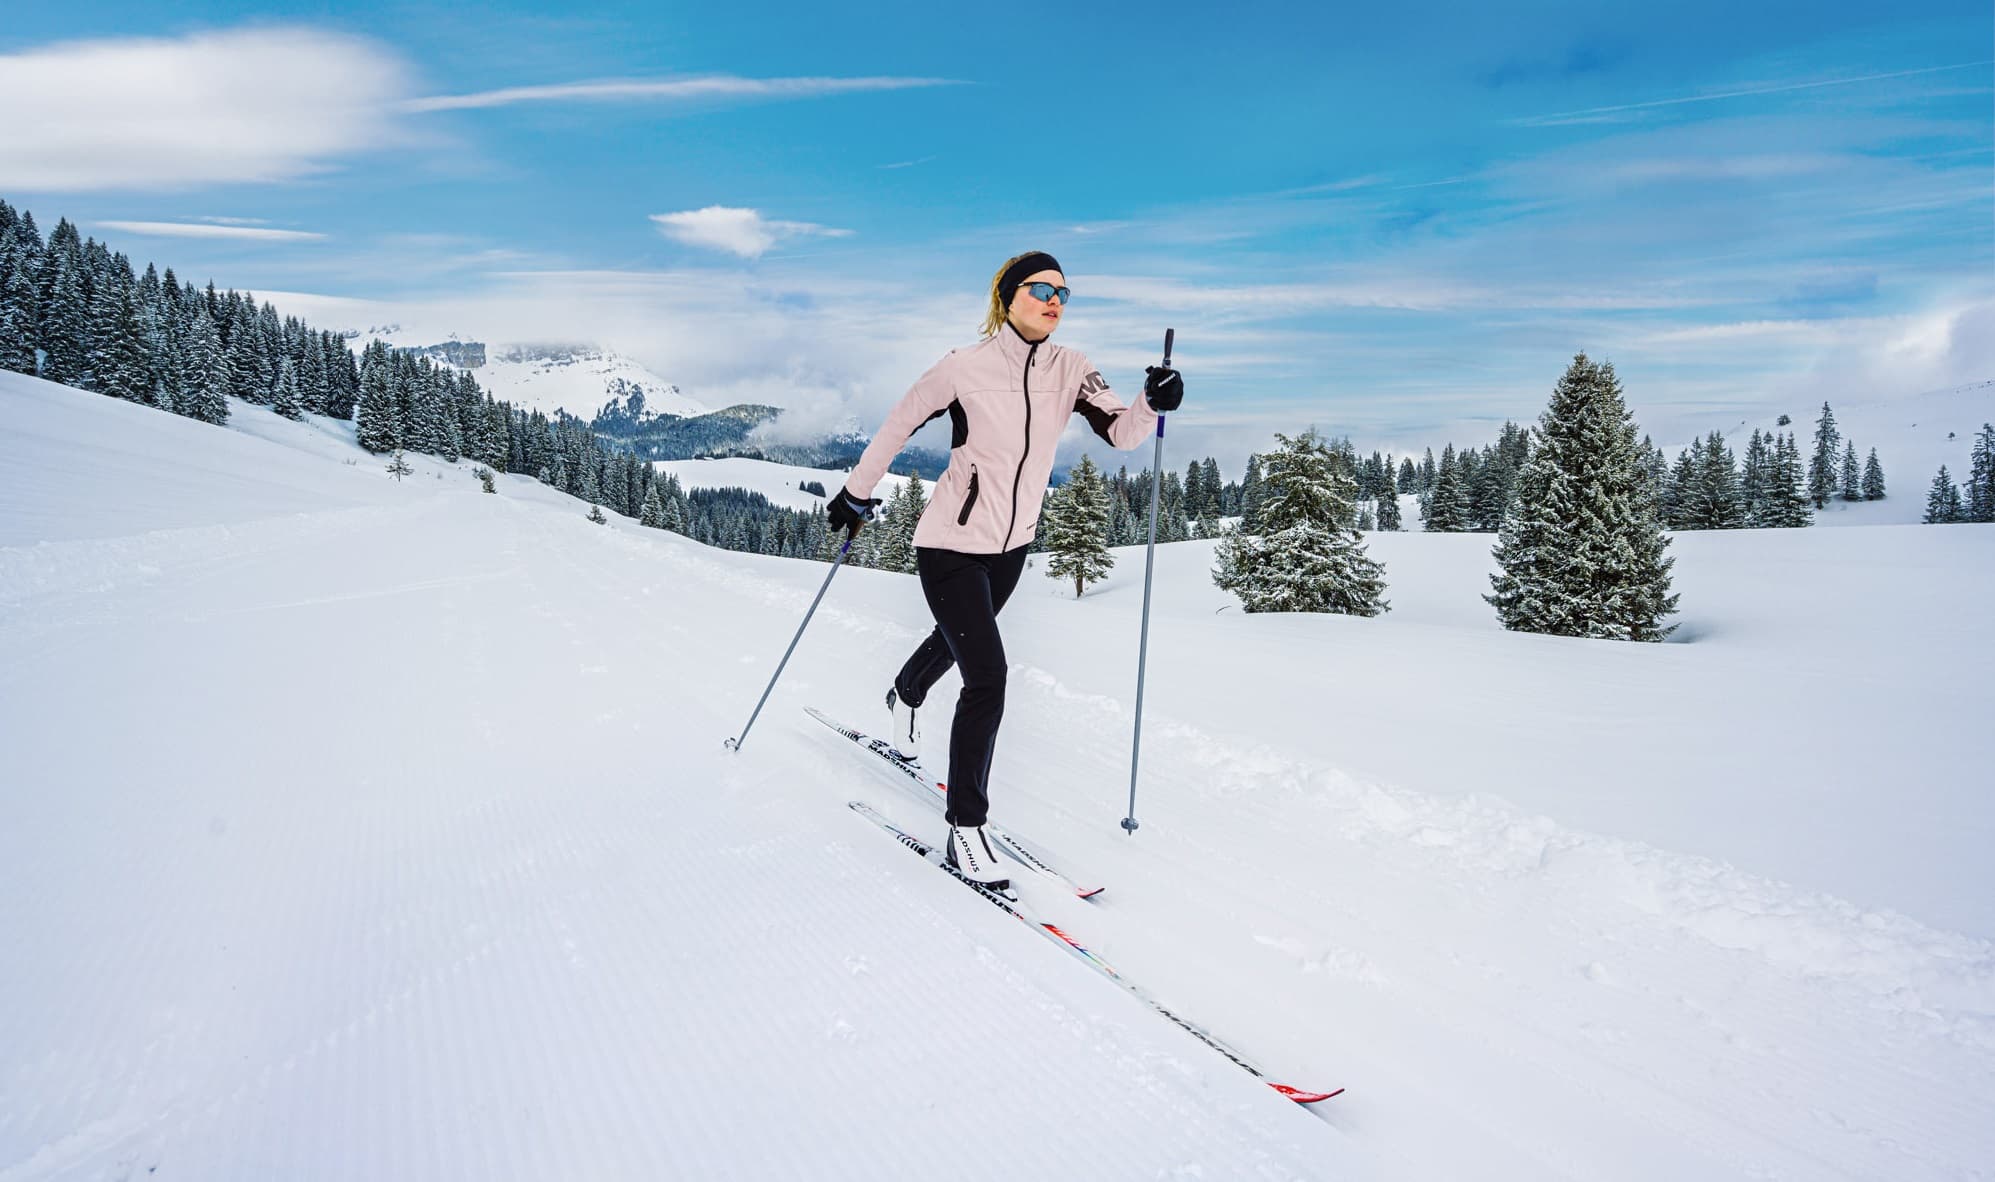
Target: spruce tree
column 65, row 325
column 1852, row 482
column 1873, row 478
column 1447, row 506
column 1388, row 502
column 379, row 427
column 1822, row 465
column 1407, row 476
column 1075, row 527
column 1309, row 557
column 285, row 399
column 17, row 322
column 1251, row 492
column 1755, row 482
column 1943, row 505
column 1582, row 554
column 1980, row 502
column 204, row 377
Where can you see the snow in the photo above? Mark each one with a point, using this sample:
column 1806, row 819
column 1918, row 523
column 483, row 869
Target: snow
column 1913, row 435
column 576, row 378
column 359, row 828
column 781, row 483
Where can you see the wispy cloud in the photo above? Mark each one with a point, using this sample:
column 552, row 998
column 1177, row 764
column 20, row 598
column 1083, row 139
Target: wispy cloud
column 1608, row 114
column 906, row 163
column 712, row 86
column 250, row 106
column 213, row 228
column 743, row 232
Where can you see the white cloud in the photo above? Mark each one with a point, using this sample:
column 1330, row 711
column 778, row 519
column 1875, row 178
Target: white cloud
column 210, row 108
column 713, row 86
column 743, row 232
column 213, row 228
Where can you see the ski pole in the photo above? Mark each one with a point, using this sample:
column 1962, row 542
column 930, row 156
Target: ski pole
column 734, row 744
column 1149, row 566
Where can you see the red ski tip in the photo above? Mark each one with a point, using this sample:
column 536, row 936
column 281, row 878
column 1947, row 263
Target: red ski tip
column 1090, row 892
column 1302, row 1097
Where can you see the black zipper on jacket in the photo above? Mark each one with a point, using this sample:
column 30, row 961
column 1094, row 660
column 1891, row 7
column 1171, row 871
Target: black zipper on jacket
column 1020, row 474
column 969, row 500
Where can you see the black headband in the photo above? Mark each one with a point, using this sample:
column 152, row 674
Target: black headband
column 1015, row 274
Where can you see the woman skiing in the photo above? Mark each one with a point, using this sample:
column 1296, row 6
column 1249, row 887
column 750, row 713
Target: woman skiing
column 1008, row 399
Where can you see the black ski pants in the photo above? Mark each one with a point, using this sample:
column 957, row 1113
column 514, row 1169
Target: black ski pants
column 965, row 592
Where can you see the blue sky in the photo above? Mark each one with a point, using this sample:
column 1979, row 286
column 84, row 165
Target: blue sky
column 1393, row 224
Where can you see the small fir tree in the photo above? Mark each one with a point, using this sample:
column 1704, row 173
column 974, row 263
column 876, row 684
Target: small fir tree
column 1873, row 478
column 1852, row 474
column 1980, row 500
column 1822, row 465
column 398, row 465
column 1075, row 527
column 1943, row 503
column 1309, row 557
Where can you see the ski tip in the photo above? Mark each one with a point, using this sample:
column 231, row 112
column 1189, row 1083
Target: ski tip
column 1302, row 1097
column 1088, row 892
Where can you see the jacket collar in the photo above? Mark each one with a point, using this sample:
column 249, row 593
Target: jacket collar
column 1015, row 347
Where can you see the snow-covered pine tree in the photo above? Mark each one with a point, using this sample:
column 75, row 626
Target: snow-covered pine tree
column 285, row 398
column 596, row 515
column 65, row 323
column 1408, row 478
column 1852, row 474
column 377, row 422
column 1787, row 504
column 398, row 465
column 1075, row 527
column 653, row 513
column 896, row 527
column 1873, row 478
column 1753, row 483
column 204, row 379
column 1251, row 492
column 1308, row 557
column 1822, row 464
column 1943, row 504
column 1388, row 502
column 1581, row 552
column 1716, row 504
column 1446, row 509
column 1980, row 500
column 17, row 305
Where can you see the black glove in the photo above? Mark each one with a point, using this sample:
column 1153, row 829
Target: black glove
column 848, row 512
column 1164, row 389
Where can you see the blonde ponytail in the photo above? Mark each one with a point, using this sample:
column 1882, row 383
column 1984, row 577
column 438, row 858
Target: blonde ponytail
column 994, row 318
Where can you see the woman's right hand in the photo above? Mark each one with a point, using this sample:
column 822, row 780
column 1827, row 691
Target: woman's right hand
column 848, row 512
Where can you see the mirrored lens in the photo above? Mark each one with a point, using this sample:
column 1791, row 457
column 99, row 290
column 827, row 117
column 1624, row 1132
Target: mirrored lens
column 1044, row 292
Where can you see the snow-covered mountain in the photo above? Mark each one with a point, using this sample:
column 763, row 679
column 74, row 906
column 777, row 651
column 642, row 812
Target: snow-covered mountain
column 357, row 827
column 577, row 378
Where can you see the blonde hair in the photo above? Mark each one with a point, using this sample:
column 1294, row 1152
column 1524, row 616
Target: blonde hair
column 995, row 317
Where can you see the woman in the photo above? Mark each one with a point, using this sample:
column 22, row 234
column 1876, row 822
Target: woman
column 1008, row 399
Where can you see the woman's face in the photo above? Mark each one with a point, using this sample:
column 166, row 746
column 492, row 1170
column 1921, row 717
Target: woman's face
column 1036, row 318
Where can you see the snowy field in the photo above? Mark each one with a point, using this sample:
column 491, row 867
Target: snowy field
column 781, row 483
column 364, row 829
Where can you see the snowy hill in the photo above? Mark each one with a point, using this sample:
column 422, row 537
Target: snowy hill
column 1913, row 434
column 781, row 483
column 359, row 828
column 576, row 378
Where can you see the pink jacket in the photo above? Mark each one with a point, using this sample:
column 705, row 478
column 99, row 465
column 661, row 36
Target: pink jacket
column 1008, row 400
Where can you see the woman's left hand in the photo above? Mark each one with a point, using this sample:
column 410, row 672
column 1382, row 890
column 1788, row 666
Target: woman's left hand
column 1164, row 389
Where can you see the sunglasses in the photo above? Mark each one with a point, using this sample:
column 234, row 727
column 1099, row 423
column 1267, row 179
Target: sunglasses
column 1044, row 292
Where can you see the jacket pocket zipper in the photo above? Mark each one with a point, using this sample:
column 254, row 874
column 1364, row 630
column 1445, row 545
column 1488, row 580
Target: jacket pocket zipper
column 970, row 500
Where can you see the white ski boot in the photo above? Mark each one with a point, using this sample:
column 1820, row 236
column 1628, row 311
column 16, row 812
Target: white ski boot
column 970, row 853
column 904, row 732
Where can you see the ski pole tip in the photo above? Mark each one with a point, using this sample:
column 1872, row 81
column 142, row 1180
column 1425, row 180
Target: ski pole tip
column 1129, row 824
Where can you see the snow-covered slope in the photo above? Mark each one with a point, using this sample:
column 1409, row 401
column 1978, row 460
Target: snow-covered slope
column 391, row 836
column 781, row 483
column 577, row 378
column 1913, row 435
